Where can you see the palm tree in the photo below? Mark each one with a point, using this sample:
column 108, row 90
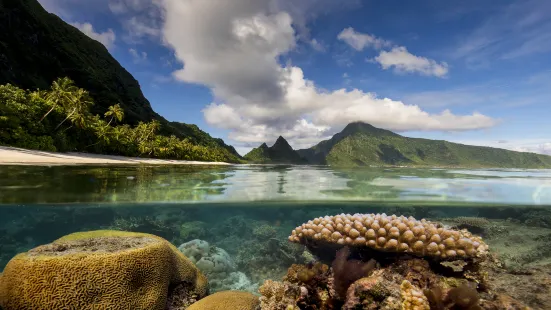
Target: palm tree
column 61, row 92
column 116, row 112
column 80, row 103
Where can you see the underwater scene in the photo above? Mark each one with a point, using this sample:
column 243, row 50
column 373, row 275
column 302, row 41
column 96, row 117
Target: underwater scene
column 274, row 237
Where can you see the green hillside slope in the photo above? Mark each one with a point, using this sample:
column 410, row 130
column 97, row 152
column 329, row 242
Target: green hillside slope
column 37, row 47
column 361, row 144
column 281, row 153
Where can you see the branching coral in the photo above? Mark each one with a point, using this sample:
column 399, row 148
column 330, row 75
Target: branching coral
column 391, row 234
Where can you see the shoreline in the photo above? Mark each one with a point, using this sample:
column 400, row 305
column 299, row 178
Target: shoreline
column 19, row 156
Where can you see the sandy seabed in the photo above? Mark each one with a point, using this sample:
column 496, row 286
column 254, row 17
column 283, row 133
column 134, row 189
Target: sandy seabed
column 19, row 156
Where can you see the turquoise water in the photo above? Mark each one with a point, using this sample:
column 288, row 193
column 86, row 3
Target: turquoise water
column 249, row 211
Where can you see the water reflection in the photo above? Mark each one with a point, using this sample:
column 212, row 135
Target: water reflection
column 73, row 184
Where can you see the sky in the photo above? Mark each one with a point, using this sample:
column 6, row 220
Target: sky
column 247, row 71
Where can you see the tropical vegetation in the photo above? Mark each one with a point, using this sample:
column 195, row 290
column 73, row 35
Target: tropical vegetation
column 279, row 153
column 59, row 119
column 361, row 144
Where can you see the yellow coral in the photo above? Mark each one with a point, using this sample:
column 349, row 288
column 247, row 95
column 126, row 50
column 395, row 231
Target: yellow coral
column 391, row 234
column 226, row 300
column 98, row 270
column 412, row 297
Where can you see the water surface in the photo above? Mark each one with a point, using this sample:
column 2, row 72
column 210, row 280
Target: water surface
column 249, row 211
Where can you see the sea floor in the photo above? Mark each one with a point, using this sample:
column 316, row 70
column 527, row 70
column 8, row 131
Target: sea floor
column 253, row 247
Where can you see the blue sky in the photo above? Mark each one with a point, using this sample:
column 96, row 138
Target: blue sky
column 475, row 72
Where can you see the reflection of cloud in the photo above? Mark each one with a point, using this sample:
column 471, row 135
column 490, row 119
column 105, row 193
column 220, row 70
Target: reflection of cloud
column 504, row 189
column 297, row 183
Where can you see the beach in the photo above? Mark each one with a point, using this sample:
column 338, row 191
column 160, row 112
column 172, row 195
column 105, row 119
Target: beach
column 19, row 156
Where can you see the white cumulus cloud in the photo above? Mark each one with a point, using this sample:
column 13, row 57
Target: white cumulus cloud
column 235, row 47
column 106, row 38
column 359, row 41
column 404, row 62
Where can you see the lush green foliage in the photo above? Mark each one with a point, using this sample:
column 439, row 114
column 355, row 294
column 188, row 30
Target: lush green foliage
column 281, row 153
column 361, row 144
column 38, row 47
column 60, row 120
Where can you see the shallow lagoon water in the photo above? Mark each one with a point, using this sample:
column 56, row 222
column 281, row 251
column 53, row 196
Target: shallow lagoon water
column 250, row 210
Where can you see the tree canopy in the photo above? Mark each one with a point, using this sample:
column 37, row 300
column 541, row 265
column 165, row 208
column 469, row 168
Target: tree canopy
column 59, row 119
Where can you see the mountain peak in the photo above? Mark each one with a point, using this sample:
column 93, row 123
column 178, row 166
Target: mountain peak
column 361, row 127
column 281, row 152
column 281, row 143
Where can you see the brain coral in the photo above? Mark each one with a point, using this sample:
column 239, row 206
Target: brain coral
column 101, row 269
column 226, row 300
column 391, row 234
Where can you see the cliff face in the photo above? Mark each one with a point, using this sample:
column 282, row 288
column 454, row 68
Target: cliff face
column 37, row 47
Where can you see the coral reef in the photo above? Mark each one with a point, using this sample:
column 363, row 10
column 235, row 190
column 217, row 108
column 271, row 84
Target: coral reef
column 346, row 272
column 304, row 287
column 227, row 300
column 374, row 275
column 209, row 259
column 120, row 270
column 217, row 265
column 412, row 297
column 391, row 234
column 402, row 285
column 193, row 230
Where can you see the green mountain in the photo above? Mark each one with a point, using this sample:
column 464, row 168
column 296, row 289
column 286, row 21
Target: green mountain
column 37, row 47
column 360, row 144
column 279, row 153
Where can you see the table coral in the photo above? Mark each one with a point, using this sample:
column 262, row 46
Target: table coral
column 98, row 269
column 391, row 234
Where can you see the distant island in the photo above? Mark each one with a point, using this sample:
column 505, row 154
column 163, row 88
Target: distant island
column 361, row 144
column 279, row 153
column 62, row 91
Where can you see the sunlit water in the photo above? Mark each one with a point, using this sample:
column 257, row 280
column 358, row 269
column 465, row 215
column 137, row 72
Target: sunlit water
column 249, row 210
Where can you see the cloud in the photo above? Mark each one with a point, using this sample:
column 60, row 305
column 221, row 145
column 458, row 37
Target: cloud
column 520, row 29
column 539, row 146
column 106, row 38
column 359, row 41
column 404, row 62
column 234, row 48
column 398, row 57
column 317, row 45
column 137, row 56
column 142, row 19
column 512, row 92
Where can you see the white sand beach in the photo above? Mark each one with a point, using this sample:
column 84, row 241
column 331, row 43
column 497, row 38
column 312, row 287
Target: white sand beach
column 19, row 156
